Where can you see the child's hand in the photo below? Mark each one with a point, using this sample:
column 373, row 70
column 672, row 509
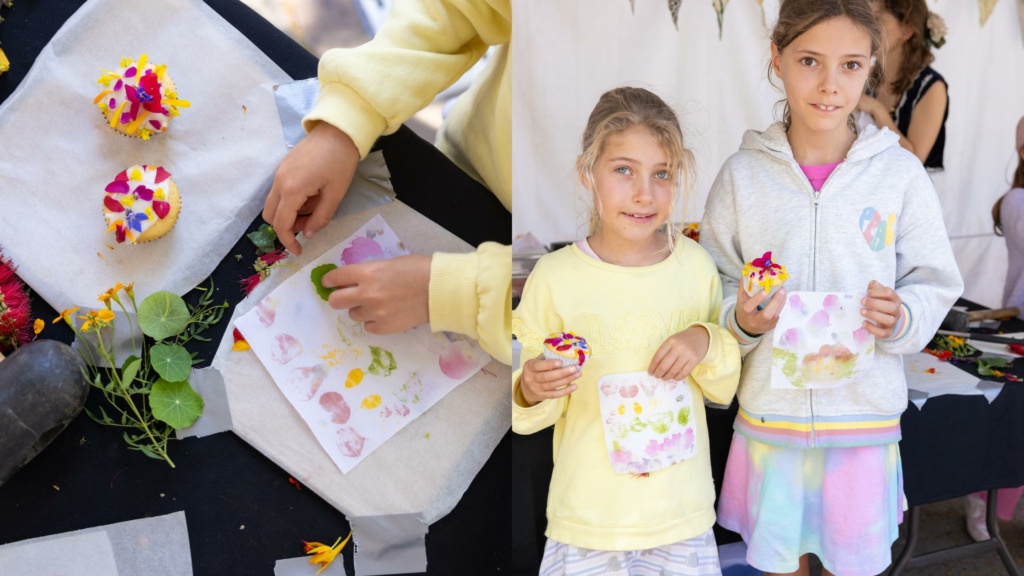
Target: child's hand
column 310, row 183
column 881, row 309
column 756, row 322
column 388, row 296
column 680, row 354
column 546, row 379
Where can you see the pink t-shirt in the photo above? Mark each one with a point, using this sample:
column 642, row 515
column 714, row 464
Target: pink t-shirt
column 818, row 174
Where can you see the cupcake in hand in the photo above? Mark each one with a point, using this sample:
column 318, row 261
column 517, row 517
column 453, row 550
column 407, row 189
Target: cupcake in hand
column 566, row 347
column 763, row 274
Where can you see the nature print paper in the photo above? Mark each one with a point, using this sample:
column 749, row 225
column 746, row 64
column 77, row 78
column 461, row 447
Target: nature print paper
column 820, row 341
column 354, row 389
column 648, row 422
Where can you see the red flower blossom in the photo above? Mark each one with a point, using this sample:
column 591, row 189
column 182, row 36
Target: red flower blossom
column 15, row 309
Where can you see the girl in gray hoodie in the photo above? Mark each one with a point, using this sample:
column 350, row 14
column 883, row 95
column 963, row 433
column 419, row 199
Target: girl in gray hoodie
column 818, row 471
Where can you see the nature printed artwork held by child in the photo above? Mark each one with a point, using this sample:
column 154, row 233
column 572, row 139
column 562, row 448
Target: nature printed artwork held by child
column 354, row 389
column 820, row 341
column 648, row 422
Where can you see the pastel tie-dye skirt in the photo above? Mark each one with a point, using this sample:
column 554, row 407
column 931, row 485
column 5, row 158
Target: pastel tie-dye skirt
column 843, row 505
column 697, row 556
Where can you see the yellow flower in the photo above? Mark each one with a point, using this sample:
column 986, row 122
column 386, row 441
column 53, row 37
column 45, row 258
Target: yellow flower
column 105, row 298
column 105, row 316
column 65, row 314
column 240, row 346
column 38, row 325
column 323, row 554
column 5, row 64
column 956, row 340
column 130, row 290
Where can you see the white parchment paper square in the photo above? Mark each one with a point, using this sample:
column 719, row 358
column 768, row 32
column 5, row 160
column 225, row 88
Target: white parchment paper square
column 57, row 154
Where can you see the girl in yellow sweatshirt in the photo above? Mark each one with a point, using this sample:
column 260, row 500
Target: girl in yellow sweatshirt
column 631, row 491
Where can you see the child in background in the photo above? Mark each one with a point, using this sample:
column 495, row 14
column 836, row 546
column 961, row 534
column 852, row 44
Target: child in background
column 912, row 99
column 818, row 471
column 1008, row 221
column 646, row 299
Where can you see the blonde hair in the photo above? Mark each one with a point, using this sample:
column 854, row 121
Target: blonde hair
column 798, row 16
column 618, row 110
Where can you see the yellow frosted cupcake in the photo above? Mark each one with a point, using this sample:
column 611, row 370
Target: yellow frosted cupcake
column 763, row 274
column 141, row 204
column 570, row 349
column 139, row 98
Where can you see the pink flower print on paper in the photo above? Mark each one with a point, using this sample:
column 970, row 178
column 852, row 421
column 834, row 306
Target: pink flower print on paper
column 629, row 391
column 831, row 304
column 457, row 357
column 790, row 339
column 861, row 338
column 620, row 458
column 362, row 250
column 336, row 406
column 650, row 386
column 670, row 444
column 818, row 322
column 266, row 313
column 797, row 304
column 286, row 348
column 688, row 440
column 350, row 443
column 609, row 388
column 306, row 381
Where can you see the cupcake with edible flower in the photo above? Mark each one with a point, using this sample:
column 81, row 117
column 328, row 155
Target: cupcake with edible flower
column 570, row 349
column 141, row 204
column 139, row 98
column 763, row 274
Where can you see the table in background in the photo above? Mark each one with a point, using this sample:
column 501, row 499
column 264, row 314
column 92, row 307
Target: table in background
column 87, row 477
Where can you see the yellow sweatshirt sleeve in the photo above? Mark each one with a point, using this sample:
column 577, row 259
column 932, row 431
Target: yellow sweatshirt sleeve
column 718, row 374
column 423, row 47
column 471, row 294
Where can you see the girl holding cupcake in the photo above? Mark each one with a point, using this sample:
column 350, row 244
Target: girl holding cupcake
column 817, row 471
column 624, row 345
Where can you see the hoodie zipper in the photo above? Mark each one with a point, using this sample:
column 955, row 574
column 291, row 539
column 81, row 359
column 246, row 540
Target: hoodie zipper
column 816, row 194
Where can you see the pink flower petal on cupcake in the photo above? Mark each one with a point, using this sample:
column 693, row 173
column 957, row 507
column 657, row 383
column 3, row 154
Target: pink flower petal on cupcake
column 126, row 118
column 161, row 174
column 118, row 85
column 161, row 208
column 130, row 73
column 117, row 187
column 119, row 234
column 156, row 126
column 112, row 104
column 362, row 250
column 122, row 177
column 113, row 205
column 143, row 193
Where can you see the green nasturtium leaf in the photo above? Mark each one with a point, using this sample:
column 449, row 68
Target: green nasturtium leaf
column 162, row 315
column 175, row 403
column 263, row 238
column 317, row 276
column 171, row 361
column 129, row 370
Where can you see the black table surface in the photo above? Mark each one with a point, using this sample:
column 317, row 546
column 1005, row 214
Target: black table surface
column 87, row 477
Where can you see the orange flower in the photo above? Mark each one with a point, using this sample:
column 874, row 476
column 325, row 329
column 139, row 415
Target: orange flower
column 38, row 325
column 323, row 554
column 65, row 314
column 130, row 290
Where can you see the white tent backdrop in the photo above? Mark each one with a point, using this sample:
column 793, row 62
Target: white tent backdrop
column 566, row 53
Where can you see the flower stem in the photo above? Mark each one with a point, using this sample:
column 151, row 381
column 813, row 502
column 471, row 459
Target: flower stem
column 128, row 397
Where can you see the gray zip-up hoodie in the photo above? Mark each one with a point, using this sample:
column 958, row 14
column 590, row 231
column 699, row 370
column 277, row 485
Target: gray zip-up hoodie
column 876, row 217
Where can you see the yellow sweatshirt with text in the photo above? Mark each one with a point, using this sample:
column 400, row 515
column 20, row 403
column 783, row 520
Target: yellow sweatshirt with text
column 625, row 314
column 422, row 48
